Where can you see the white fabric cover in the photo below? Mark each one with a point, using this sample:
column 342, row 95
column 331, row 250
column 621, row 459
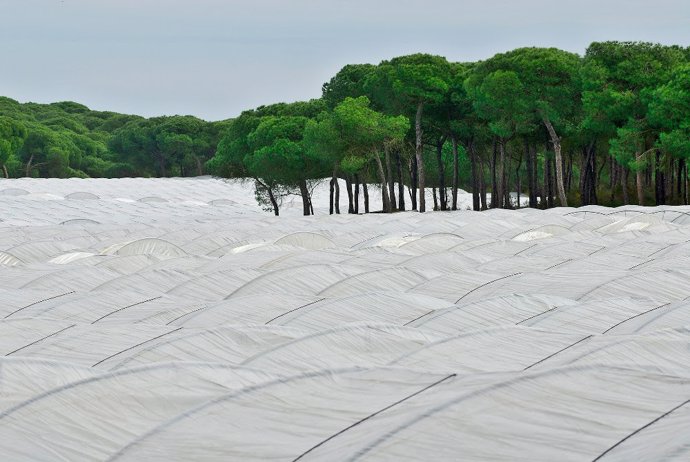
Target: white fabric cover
column 172, row 319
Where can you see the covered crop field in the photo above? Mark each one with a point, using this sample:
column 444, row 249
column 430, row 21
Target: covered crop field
column 171, row 319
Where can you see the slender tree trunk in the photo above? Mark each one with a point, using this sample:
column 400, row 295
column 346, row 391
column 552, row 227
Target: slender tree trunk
column 679, row 192
column 273, row 200
column 331, row 195
column 624, row 184
column 419, row 153
column 199, row 166
column 413, row 178
column 531, row 174
column 162, row 172
column 507, row 203
column 433, row 193
column 28, row 166
column 639, row 179
column 588, row 175
column 556, row 141
column 337, row 195
column 613, row 181
column 4, row 169
column 384, row 189
column 304, row 192
column 683, row 179
column 348, row 186
column 659, row 181
column 518, row 186
column 366, row 197
column 495, row 193
column 569, row 171
column 482, row 183
column 401, row 182
column 501, row 175
column 441, row 173
column 391, row 182
column 356, row 193
column 548, row 183
column 454, row 187
column 477, row 173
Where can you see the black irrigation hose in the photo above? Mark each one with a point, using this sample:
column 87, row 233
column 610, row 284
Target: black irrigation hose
column 639, row 430
column 372, row 415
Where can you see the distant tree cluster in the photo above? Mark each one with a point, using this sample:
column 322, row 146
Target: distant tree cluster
column 559, row 128
column 70, row 140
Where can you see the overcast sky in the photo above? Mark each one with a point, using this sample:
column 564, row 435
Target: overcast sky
column 214, row 58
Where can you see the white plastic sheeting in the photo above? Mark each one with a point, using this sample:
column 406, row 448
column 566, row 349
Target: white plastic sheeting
column 172, row 320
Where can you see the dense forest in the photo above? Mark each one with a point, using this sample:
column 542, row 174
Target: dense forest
column 610, row 127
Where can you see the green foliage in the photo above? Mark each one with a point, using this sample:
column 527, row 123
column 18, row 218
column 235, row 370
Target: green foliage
column 348, row 82
column 12, row 136
column 498, row 98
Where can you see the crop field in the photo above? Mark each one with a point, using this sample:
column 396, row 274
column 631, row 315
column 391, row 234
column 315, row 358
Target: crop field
column 172, row 319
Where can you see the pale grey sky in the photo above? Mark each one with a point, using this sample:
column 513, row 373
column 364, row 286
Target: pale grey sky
column 214, row 58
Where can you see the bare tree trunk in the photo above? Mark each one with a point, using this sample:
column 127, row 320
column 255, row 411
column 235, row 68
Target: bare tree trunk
column 548, row 183
column 477, row 173
column 681, row 168
column 556, row 141
column 433, row 193
column 306, row 203
column 391, row 182
column 356, row 193
column 441, row 173
column 401, row 182
column 419, row 154
column 337, row 194
column 500, row 175
column 624, row 184
column 454, row 187
column 366, row 197
column 494, row 182
column 28, row 166
column 413, row 178
column 199, row 166
column 482, row 184
column 162, row 172
column 348, row 186
column 531, row 174
column 659, row 181
column 274, row 202
column 384, row 189
column 588, row 175
column 613, row 181
column 331, row 191
column 639, row 180
column 518, row 186
column 4, row 169
column 505, row 160
column 685, row 183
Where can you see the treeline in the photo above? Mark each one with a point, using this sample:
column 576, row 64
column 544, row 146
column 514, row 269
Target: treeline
column 70, row 140
column 610, row 127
